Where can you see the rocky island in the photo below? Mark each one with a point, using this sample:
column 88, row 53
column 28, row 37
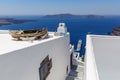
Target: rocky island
column 72, row 16
column 7, row 21
column 116, row 31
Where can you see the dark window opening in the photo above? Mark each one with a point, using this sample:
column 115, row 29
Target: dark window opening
column 71, row 56
column 67, row 70
column 45, row 68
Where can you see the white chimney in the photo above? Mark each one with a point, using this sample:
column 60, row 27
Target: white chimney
column 62, row 28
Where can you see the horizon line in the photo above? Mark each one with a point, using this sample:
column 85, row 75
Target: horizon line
column 56, row 14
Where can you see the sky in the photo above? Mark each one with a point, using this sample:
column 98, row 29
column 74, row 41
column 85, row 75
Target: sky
column 44, row 7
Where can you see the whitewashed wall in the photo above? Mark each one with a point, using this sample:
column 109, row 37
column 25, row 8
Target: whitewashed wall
column 24, row 64
column 90, row 64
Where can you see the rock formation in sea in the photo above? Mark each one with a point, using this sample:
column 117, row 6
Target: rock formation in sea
column 116, row 31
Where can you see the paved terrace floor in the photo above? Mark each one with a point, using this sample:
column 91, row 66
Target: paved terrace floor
column 8, row 44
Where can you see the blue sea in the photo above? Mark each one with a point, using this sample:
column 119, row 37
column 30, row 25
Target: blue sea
column 78, row 27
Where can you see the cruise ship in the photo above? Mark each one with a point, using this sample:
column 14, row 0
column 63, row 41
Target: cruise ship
column 54, row 58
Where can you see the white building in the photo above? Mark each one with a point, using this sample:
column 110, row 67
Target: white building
column 102, row 58
column 47, row 59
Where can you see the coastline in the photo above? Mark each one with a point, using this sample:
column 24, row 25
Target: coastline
column 8, row 21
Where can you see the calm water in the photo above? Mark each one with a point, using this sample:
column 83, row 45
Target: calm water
column 78, row 28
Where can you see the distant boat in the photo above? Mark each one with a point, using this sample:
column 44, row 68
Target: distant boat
column 28, row 34
column 79, row 45
column 89, row 33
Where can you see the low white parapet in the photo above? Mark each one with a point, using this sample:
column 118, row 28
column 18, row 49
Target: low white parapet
column 4, row 31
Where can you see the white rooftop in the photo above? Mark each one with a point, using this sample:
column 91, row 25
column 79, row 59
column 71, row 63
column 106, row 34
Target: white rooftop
column 7, row 44
column 102, row 57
